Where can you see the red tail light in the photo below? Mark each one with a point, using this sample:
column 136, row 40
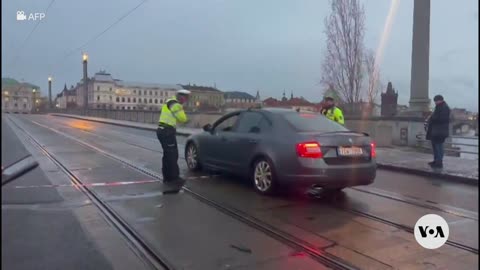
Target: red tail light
column 373, row 152
column 309, row 150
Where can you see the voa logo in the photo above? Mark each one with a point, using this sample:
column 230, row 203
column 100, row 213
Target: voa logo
column 431, row 231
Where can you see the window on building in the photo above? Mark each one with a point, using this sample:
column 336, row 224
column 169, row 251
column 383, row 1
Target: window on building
column 156, row 101
column 117, row 99
column 98, row 98
column 145, row 92
column 156, row 93
column 128, row 100
column 98, row 88
column 123, row 99
column 144, row 100
column 161, row 101
column 139, row 93
column 150, row 101
column 134, row 100
column 98, row 106
column 110, row 98
column 150, row 92
column 24, row 106
column 134, row 107
column 134, row 91
column 116, row 107
column 128, row 108
column 16, row 105
column 123, row 107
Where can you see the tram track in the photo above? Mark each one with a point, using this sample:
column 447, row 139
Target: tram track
column 394, row 197
column 150, row 255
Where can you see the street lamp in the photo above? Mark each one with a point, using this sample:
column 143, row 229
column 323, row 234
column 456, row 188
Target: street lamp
column 50, row 106
column 34, row 91
column 85, row 82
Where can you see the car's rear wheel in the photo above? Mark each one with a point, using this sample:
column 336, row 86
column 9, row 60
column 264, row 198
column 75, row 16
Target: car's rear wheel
column 264, row 179
column 191, row 157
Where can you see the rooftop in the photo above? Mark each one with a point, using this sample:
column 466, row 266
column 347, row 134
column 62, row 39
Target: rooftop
column 199, row 88
column 237, row 94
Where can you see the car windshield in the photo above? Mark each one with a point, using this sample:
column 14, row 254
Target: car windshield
column 307, row 122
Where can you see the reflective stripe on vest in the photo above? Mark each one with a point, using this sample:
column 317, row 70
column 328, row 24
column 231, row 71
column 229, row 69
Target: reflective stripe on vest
column 166, row 115
column 329, row 113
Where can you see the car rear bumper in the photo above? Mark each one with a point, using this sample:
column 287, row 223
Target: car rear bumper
column 332, row 177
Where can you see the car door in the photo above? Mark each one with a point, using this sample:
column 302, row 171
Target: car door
column 249, row 134
column 215, row 144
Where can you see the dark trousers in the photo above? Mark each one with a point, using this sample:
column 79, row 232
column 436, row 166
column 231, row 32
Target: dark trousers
column 437, row 152
column 168, row 139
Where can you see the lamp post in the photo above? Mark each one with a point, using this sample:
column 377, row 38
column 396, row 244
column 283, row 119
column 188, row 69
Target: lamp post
column 50, row 106
column 34, row 91
column 85, row 83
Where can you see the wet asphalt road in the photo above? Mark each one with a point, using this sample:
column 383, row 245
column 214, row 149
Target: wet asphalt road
column 366, row 243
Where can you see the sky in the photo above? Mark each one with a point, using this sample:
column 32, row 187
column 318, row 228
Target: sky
column 243, row 45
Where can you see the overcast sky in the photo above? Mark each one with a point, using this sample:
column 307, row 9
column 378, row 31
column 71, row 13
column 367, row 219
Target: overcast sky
column 243, row 45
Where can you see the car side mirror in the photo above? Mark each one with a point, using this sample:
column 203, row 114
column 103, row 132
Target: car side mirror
column 207, row 128
column 255, row 130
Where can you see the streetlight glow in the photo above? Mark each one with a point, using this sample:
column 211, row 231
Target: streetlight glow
column 85, row 57
column 34, row 90
column 49, row 79
column 6, row 93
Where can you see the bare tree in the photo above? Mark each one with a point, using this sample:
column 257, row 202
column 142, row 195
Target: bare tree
column 342, row 66
column 373, row 73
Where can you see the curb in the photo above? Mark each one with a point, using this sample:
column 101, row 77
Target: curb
column 453, row 178
column 450, row 177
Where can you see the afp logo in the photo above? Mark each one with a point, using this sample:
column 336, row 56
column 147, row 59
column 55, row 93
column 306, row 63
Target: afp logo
column 431, row 231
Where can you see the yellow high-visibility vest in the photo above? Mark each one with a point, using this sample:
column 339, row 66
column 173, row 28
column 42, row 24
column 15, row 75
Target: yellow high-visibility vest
column 172, row 111
column 334, row 114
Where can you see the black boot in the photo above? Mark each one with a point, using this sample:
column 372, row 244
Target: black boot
column 431, row 163
column 438, row 165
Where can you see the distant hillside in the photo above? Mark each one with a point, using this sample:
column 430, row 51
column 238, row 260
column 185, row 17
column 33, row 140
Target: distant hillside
column 12, row 82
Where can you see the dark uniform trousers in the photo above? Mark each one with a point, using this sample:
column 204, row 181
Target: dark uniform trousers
column 167, row 137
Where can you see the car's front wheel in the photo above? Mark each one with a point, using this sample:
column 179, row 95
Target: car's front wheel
column 264, row 179
column 191, row 157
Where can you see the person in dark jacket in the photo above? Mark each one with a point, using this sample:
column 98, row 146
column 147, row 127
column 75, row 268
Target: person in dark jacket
column 438, row 129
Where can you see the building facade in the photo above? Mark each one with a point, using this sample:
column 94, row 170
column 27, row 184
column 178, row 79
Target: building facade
column 20, row 97
column 293, row 103
column 204, row 98
column 240, row 100
column 105, row 92
column 67, row 99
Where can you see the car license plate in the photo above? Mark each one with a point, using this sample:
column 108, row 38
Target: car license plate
column 350, row 151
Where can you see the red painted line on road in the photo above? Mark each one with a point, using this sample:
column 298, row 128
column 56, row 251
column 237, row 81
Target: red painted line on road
column 89, row 185
column 103, row 184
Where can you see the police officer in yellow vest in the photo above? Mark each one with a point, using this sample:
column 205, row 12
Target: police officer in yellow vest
column 332, row 112
column 172, row 112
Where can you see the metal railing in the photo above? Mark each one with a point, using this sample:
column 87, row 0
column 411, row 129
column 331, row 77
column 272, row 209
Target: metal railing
column 425, row 144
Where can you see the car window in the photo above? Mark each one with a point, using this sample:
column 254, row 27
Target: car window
column 312, row 123
column 227, row 124
column 248, row 121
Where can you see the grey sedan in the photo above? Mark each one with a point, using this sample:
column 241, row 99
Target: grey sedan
column 281, row 148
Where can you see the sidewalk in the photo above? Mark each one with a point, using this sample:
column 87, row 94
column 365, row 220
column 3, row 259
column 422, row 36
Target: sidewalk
column 402, row 159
